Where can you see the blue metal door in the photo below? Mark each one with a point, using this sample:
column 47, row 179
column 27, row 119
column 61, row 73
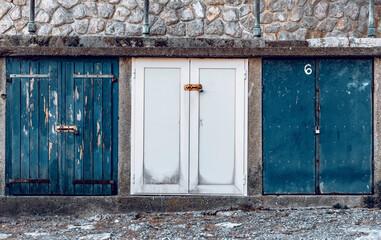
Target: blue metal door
column 317, row 126
column 288, row 126
column 345, row 138
column 61, row 126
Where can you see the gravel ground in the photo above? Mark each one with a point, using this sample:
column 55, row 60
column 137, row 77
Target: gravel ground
column 355, row 223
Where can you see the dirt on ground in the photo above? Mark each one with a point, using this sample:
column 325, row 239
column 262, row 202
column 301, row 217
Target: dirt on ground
column 250, row 223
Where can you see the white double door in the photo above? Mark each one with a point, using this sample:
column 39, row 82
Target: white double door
column 189, row 142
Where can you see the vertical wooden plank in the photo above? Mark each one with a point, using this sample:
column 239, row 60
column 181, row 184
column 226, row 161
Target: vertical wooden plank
column 43, row 129
column 88, row 128
column 13, row 94
column 69, row 176
column 346, row 126
column 78, row 119
column 98, row 128
column 115, row 101
column 33, row 126
column 288, row 127
column 53, row 122
column 61, row 121
column 107, row 126
column 25, row 111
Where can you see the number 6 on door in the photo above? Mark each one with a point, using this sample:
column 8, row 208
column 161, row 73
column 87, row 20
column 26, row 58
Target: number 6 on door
column 308, row 69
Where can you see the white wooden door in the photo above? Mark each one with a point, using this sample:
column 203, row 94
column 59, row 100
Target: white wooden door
column 217, row 123
column 189, row 142
column 160, row 127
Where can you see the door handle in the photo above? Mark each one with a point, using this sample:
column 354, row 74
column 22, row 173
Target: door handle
column 66, row 129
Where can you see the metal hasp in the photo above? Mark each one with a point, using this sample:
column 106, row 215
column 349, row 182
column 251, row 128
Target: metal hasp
column 257, row 27
column 193, row 87
column 31, row 24
column 66, row 129
column 371, row 27
column 146, row 27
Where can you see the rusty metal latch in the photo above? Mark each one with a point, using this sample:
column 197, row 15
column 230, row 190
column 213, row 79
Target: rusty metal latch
column 193, row 87
column 13, row 181
column 66, row 129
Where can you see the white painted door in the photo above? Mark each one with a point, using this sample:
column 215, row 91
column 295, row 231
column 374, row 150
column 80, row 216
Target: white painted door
column 217, row 123
column 189, row 142
column 161, row 126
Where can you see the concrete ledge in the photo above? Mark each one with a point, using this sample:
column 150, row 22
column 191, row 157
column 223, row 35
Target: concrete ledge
column 56, row 205
column 23, row 46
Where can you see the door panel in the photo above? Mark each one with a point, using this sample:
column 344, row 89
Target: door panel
column 288, row 126
column 161, row 136
column 162, row 131
column 346, row 126
column 51, row 162
column 217, row 127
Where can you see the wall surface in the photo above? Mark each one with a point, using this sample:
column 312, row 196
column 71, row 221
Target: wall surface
column 280, row 19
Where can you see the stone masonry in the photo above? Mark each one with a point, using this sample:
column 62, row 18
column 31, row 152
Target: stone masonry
column 280, row 19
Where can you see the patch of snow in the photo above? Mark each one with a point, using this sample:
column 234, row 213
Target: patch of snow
column 225, row 213
column 228, row 224
column 35, row 234
column 83, row 227
column 102, row 236
column 4, row 236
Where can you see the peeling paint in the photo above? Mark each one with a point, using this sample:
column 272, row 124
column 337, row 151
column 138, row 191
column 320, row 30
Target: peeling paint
column 79, row 115
column 31, row 84
column 99, row 140
column 76, row 93
column 46, row 111
column 50, row 148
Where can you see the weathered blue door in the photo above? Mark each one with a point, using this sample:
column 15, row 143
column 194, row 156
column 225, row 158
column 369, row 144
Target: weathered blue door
column 345, row 126
column 61, row 126
column 288, row 126
column 317, row 126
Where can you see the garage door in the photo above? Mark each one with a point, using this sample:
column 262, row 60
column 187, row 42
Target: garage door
column 317, row 126
column 61, row 126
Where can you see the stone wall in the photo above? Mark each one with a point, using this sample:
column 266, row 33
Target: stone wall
column 280, row 19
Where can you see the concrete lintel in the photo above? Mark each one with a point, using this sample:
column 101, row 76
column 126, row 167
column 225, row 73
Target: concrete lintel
column 21, row 205
column 206, row 52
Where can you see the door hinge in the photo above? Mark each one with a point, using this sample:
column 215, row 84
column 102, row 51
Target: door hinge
column 9, row 80
column 133, row 178
column 134, row 73
column 115, row 80
column 245, row 76
column 244, row 179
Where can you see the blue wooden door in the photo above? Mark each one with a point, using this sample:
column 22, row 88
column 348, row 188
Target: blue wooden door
column 317, row 126
column 61, row 126
column 345, row 138
column 288, row 126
